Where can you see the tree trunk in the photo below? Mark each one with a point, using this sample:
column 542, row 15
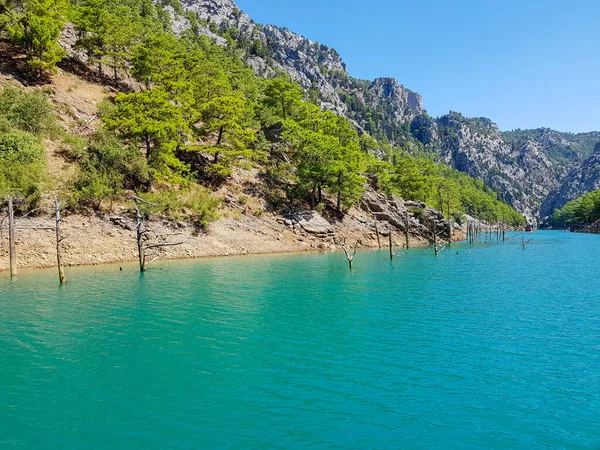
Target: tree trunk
column 220, row 138
column 377, row 233
column 148, row 146
column 59, row 240
column 139, row 228
column 391, row 245
column 11, row 238
column 406, row 229
column 339, row 195
column 435, row 247
column 320, row 194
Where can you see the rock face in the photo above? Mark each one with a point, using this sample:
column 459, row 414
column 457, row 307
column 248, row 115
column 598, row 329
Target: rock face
column 580, row 181
column 312, row 222
column 315, row 66
column 392, row 211
column 523, row 166
column 403, row 104
column 521, row 172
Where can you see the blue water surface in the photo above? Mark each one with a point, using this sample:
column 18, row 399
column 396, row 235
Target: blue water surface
column 488, row 346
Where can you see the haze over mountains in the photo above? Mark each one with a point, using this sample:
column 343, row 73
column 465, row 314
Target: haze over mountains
column 534, row 170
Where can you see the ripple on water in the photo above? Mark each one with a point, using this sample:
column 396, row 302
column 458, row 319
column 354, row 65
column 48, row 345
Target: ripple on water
column 493, row 347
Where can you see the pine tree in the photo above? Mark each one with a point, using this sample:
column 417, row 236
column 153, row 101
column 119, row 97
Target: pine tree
column 151, row 121
column 38, row 30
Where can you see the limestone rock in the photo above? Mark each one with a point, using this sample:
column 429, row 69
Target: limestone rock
column 312, row 222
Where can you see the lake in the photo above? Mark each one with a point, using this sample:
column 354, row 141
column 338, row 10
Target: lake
column 488, row 346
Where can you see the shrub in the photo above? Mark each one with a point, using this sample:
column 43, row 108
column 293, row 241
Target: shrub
column 195, row 204
column 27, row 111
column 22, row 161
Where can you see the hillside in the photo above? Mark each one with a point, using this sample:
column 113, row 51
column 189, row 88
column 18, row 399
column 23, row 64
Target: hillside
column 106, row 104
column 523, row 166
column 106, row 236
column 580, row 181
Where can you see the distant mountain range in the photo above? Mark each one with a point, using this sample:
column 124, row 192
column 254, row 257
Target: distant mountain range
column 534, row 170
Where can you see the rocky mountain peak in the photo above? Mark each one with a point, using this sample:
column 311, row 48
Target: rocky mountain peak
column 217, row 11
column 388, row 94
column 390, row 89
column 523, row 166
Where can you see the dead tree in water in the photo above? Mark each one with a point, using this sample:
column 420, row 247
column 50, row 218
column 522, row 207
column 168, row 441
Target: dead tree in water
column 377, row 233
column 11, row 238
column 59, row 241
column 391, row 239
column 436, row 248
column 406, row 229
column 349, row 252
column 143, row 235
column 12, row 227
column 524, row 243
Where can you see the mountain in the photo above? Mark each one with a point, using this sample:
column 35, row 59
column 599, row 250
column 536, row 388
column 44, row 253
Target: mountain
column 580, row 181
column 523, row 166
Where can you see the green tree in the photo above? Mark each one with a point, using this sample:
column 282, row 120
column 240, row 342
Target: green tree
column 122, row 32
column 152, row 122
column 281, row 98
column 38, row 30
column 106, row 169
column 157, row 59
column 226, row 116
column 22, row 163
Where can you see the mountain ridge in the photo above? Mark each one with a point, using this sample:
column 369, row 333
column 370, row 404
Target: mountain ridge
column 523, row 166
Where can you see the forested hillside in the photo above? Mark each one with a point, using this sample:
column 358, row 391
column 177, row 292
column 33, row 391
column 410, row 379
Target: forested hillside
column 579, row 213
column 190, row 112
column 523, row 166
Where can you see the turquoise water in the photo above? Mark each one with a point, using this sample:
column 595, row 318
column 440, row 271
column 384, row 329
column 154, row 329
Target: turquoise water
column 493, row 347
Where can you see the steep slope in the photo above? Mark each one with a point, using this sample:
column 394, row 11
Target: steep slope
column 523, row 166
column 580, row 181
column 315, row 66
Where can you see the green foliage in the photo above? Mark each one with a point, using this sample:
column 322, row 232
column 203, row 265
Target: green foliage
column 450, row 191
column 327, row 155
column 194, row 203
column 37, row 30
column 22, row 164
column 106, row 169
column 150, row 121
column 281, row 100
column 108, row 30
column 583, row 211
column 26, row 110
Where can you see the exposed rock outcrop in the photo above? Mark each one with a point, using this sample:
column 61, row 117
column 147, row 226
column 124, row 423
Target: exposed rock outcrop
column 312, row 222
column 580, row 181
column 392, row 212
column 523, row 166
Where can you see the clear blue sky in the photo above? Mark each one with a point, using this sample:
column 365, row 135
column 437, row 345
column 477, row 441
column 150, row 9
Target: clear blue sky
column 522, row 63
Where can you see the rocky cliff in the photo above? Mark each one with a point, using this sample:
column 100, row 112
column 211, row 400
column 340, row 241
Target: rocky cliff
column 580, row 181
column 523, row 166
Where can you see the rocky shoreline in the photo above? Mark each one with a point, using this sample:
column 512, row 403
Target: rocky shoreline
column 110, row 238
